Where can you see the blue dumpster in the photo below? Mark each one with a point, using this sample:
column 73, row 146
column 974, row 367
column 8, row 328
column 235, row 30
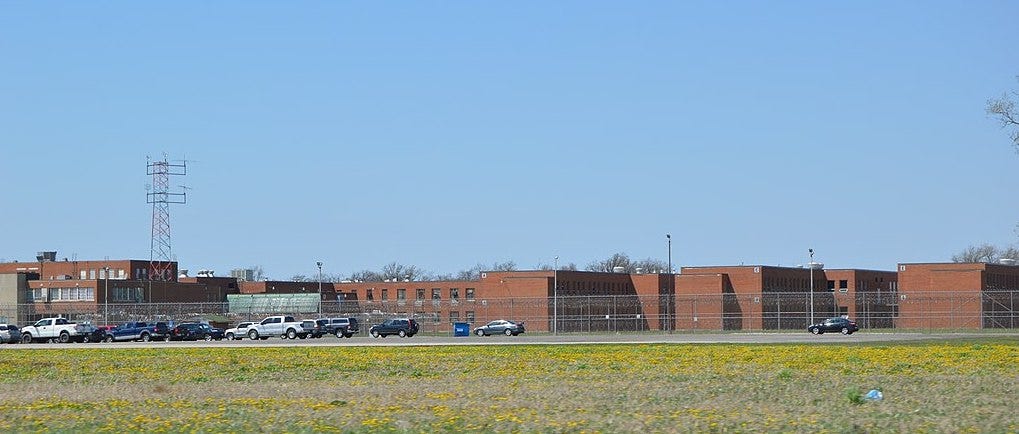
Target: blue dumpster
column 461, row 329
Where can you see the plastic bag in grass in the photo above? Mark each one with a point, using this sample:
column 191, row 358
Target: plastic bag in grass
column 874, row 395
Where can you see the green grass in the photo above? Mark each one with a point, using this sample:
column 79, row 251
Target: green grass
column 928, row 386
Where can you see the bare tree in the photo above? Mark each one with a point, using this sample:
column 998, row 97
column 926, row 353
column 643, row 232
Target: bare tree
column 982, row 253
column 609, row 265
column 365, row 276
column 1010, row 253
column 651, row 265
column 1004, row 110
column 299, row 278
column 544, row 266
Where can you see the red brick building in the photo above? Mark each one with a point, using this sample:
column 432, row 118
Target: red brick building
column 957, row 295
column 760, row 297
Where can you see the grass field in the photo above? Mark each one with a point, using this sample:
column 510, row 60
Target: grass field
column 933, row 387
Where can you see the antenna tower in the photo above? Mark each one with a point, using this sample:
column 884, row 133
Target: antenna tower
column 160, row 197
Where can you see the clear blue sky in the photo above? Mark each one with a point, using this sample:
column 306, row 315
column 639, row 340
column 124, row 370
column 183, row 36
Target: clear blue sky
column 444, row 134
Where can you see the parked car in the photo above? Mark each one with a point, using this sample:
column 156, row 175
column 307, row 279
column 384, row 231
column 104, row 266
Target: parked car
column 130, row 331
column 284, row 326
column 162, row 329
column 313, row 328
column 56, row 329
column 9, row 334
column 193, row 331
column 238, row 332
column 402, row 327
column 98, row 334
column 341, row 327
column 500, row 326
column 845, row 326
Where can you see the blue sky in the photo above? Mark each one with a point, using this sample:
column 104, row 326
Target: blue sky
column 444, row 134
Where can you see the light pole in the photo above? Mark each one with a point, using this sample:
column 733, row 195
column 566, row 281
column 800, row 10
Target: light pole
column 319, row 263
column 669, row 237
column 555, row 297
column 106, row 296
column 668, row 304
column 811, row 266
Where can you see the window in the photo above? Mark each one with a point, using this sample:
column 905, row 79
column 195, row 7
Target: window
column 83, row 274
column 831, row 285
column 120, row 273
column 843, row 284
column 454, row 294
column 434, row 316
column 470, row 294
column 470, row 316
column 420, row 294
column 127, row 294
column 454, row 316
column 385, row 294
column 401, row 294
column 436, row 293
column 369, row 294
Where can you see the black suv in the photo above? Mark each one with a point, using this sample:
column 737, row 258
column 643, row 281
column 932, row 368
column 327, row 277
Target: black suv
column 341, row 327
column 162, row 330
column 192, row 331
column 403, row 327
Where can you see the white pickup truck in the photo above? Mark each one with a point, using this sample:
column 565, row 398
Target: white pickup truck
column 286, row 327
column 59, row 329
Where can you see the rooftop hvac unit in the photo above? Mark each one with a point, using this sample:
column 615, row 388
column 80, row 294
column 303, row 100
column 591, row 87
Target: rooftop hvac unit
column 618, row 269
column 46, row 256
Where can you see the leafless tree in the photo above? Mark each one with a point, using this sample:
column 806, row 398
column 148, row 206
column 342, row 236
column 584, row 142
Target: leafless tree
column 651, row 265
column 544, row 266
column 474, row 273
column 982, row 253
column 1004, row 110
column 299, row 278
column 609, row 264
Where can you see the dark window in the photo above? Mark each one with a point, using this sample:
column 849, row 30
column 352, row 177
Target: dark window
column 385, row 294
column 843, row 284
column 436, row 293
column 831, row 285
column 454, row 293
column 401, row 294
column 420, row 293
column 470, row 294
column 370, row 294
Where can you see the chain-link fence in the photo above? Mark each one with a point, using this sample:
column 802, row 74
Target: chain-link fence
column 961, row 310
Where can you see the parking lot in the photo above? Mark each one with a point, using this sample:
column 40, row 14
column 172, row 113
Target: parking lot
column 543, row 339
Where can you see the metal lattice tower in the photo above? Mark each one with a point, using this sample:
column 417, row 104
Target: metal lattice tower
column 160, row 197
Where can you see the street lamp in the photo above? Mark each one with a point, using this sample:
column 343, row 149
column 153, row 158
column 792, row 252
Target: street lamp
column 319, row 263
column 672, row 286
column 106, row 296
column 669, row 237
column 555, row 297
column 813, row 266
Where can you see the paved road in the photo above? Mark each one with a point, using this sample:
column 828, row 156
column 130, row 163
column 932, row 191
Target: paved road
column 544, row 339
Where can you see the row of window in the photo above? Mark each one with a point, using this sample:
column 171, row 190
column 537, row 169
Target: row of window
column 401, row 294
column 454, row 316
column 85, row 294
column 101, row 273
column 64, row 294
